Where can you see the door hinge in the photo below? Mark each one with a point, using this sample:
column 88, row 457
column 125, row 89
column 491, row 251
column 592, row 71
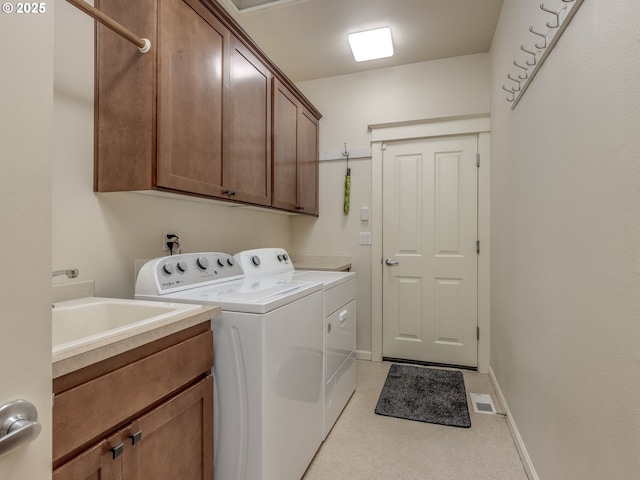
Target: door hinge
column 477, row 159
column 383, row 146
column 478, row 330
column 477, row 246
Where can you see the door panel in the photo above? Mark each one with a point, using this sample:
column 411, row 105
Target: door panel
column 285, row 148
column 430, row 229
column 191, row 98
column 249, row 161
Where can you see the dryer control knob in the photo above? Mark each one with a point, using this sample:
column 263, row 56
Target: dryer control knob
column 182, row 266
column 255, row 260
column 230, row 261
column 168, row 269
column 202, row 263
column 220, row 262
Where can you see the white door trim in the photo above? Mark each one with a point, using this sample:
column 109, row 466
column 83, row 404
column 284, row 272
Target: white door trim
column 473, row 124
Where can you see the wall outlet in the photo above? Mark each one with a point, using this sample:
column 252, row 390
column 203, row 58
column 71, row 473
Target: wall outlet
column 165, row 239
column 365, row 238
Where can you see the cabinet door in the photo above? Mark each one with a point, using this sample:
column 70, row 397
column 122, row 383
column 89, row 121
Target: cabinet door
column 176, row 439
column 285, row 148
column 307, row 162
column 97, row 463
column 192, row 66
column 249, row 155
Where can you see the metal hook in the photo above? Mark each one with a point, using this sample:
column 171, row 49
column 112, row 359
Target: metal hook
column 530, row 53
column 557, row 14
column 512, row 92
column 517, row 80
column 544, row 37
column 526, row 71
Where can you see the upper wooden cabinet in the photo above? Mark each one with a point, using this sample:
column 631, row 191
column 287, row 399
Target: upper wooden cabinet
column 192, row 65
column 249, row 155
column 195, row 115
column 295, row 153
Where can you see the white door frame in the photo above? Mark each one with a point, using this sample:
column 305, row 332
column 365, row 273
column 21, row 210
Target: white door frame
column 440, row 127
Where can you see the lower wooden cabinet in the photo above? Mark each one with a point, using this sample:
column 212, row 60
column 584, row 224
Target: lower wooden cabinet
column 144, row 414
column 172, row 441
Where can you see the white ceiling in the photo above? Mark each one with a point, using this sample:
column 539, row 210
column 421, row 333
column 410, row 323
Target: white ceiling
column 307, row 39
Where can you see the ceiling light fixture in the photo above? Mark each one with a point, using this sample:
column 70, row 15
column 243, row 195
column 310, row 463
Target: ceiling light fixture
column 371, row 44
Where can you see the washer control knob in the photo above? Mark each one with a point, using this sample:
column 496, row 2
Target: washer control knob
column 220, row 262
column 182, row 266
column 202, row 263
column 255, row 260
column 168, row 269
column 230, row 261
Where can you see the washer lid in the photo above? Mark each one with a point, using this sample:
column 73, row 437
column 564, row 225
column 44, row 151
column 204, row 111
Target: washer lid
column 256, row 295
column 328, row 278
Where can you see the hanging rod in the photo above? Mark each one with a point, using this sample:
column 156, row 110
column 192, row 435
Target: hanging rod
column 143, row 44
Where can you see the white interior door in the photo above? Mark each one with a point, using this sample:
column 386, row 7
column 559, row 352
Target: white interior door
column 26, row 136
column 430, row 264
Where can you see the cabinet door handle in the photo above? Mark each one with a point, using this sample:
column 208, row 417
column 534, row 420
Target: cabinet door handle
column 117, row 450
column 136, row 437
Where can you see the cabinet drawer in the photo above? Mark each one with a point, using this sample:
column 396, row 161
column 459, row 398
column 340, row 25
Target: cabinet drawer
column 88, row 411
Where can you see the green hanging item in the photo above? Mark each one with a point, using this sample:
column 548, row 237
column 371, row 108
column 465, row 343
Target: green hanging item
column 347, row 184
column 347, row 191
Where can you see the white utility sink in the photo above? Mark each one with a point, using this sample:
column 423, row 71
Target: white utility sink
column 79, row 324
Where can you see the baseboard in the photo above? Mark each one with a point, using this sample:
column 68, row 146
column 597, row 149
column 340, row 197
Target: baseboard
column 517, row 438
column 363, row 355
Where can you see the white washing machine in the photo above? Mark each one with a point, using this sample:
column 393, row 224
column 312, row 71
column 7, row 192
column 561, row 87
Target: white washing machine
column 268, row 361
column 339, row 313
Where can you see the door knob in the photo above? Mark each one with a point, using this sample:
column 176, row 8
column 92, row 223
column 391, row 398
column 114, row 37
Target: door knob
column 391, row 262
column 18, row 425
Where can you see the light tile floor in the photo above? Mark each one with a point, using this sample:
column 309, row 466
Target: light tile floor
column 363, row 445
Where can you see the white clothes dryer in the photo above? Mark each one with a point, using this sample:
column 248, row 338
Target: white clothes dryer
column 339, row 313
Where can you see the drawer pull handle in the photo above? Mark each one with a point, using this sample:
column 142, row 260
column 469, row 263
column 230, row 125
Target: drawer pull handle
column 117, row 450
column 18, row 425
column 136, row 437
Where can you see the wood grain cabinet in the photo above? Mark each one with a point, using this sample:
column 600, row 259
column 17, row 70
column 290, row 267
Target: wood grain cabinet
column 194, row 115
column 295, row 153
column 144, row 414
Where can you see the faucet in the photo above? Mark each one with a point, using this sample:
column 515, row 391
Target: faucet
column 70, row 273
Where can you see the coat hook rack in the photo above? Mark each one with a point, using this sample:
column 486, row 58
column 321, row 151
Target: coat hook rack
column 541, row 49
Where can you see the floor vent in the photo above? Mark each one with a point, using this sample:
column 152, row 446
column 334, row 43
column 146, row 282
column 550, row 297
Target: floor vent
column 482, row 403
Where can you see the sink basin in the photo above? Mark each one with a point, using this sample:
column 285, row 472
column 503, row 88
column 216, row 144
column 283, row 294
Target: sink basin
column 92, row 320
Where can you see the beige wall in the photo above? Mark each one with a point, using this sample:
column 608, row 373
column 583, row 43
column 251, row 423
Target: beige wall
column 349, row 104
column 565, row 242
column 26, row 115
column 103, row 234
